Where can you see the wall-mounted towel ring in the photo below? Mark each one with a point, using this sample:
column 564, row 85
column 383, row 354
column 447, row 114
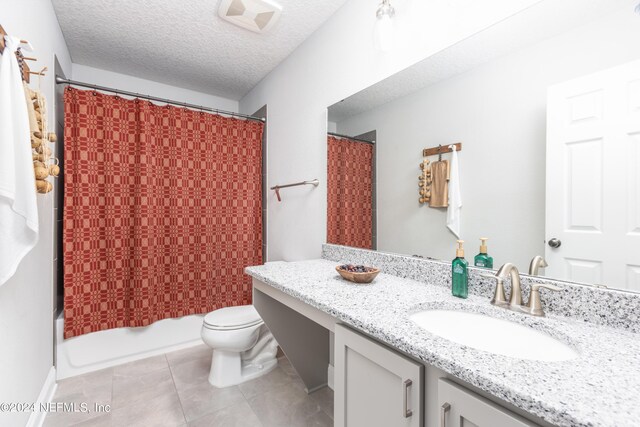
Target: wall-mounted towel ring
column 277, row 188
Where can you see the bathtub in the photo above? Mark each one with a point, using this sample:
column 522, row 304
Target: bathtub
column 103, row 349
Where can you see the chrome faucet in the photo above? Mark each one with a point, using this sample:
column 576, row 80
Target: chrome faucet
column 536, row 263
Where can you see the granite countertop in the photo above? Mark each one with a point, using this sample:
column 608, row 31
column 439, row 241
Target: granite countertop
column 599, row 388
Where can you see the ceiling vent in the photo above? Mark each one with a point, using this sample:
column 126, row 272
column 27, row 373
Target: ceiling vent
column 255, row 15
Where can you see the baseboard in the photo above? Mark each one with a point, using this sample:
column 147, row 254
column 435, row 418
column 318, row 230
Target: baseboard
column 36, row 419
column 330, row 377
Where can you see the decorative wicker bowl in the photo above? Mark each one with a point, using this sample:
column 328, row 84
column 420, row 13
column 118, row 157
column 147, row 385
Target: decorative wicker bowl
column 359, row 277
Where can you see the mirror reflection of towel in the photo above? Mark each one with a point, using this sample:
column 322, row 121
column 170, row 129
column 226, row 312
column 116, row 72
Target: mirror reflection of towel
column 455, row 198
column 439, row 184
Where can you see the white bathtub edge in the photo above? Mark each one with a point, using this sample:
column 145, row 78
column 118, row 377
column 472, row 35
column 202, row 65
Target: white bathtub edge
column 104, row 349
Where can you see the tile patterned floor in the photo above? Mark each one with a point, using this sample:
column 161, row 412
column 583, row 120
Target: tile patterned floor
column 172, row 390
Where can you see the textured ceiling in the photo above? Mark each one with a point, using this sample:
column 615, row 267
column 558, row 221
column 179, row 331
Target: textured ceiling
column 541, row 21
column 184, row 43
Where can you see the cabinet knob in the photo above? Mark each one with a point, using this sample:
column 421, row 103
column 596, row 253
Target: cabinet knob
column 406, row 411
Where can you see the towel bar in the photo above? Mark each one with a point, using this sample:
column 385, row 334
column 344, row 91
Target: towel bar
column 277, row 188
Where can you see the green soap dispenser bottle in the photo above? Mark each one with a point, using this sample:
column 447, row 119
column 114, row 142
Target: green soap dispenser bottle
column 459, row 277
column 483, row 259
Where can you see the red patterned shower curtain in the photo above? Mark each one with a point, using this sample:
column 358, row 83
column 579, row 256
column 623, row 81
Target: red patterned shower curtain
column 162, row 211
column 349, row 193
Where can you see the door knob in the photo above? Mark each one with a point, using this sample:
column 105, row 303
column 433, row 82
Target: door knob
column 555, row 243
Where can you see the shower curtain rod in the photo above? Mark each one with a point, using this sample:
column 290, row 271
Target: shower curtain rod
column 350, row 137
column 61, row 80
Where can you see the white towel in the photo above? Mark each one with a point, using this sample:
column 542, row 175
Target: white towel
column 455, row 198
column 18, row 205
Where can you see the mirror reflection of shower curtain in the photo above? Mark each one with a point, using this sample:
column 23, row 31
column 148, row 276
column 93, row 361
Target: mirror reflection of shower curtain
column 162, row 211
column 349, row 193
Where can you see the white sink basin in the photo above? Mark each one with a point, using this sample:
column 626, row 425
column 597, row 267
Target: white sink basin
column 493, row 335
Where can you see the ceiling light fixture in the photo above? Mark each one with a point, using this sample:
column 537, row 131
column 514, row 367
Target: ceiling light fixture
column 383, row 31
column 637, row 9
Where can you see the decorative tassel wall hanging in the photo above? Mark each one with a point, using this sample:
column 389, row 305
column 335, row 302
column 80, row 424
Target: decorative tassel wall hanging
column 425, row 182
column 44, row 164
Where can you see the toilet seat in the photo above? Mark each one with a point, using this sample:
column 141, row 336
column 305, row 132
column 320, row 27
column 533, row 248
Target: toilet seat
column 232, row 318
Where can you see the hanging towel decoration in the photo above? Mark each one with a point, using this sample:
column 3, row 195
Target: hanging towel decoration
column 439, row 184
column 18, row 207
column 455, row 198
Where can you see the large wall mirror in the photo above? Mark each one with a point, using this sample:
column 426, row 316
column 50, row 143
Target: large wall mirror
column 546, row 106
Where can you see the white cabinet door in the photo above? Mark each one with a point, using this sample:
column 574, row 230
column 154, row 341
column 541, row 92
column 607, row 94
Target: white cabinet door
column 593, row 178
column 460, row 407
column 375, row 386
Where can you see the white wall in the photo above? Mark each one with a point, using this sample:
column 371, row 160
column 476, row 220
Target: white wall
column 26, row 300
column 336, row 61
column 85, row 74
column 498, row 111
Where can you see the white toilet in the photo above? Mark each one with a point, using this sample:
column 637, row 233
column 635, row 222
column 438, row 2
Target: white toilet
column 243, row 347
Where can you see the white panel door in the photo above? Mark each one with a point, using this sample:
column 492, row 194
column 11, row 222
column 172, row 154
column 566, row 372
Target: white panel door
column 593, row 182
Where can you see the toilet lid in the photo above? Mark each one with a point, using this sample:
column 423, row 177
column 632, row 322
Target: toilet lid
column 233, row 317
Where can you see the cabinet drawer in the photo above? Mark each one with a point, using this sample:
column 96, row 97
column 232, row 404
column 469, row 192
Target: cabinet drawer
column 460, row 407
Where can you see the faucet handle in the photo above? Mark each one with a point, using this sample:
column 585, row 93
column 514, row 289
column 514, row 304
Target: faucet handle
column 499, row 297
column 535, row 304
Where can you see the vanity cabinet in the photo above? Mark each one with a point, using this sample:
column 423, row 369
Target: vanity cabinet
column 375, row 385
column 460, row 407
